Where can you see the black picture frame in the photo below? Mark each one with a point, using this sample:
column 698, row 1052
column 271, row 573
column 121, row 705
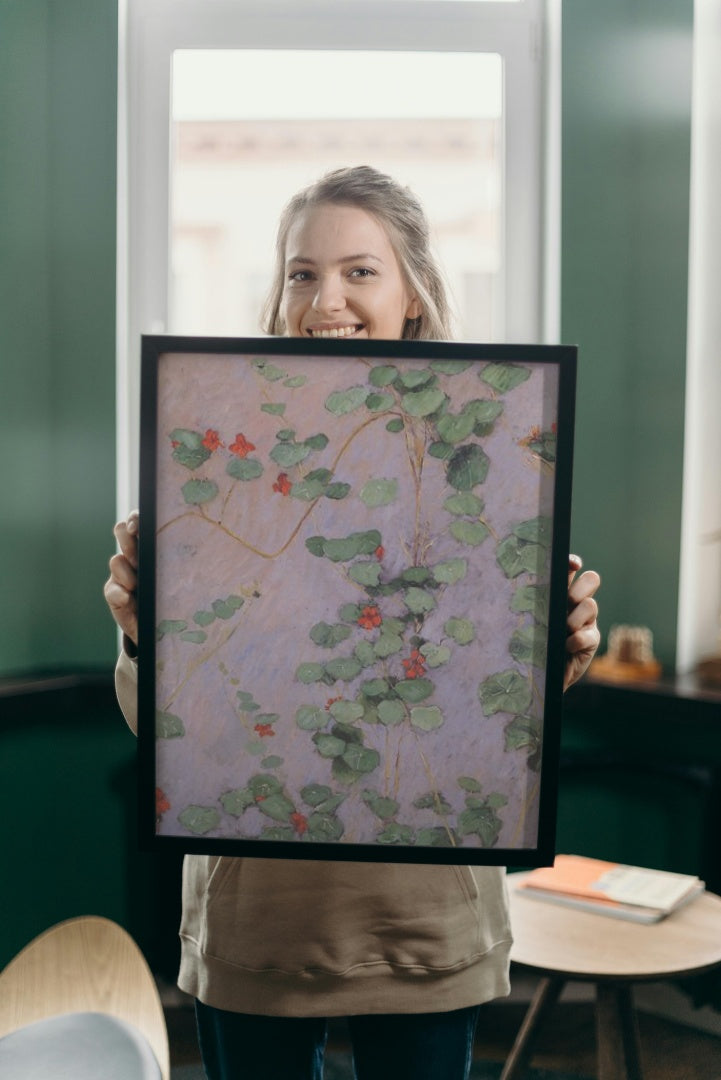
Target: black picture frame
column 321, row 520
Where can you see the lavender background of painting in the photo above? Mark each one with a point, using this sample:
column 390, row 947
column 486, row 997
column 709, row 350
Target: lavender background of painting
column 259, row 649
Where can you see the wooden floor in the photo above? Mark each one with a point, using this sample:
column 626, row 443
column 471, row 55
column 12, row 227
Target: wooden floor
column 669, row 1051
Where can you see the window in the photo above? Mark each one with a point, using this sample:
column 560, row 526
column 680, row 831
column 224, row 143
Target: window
column 227, row 105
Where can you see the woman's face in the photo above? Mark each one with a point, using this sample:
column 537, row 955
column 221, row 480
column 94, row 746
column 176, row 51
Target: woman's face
column 342, row 277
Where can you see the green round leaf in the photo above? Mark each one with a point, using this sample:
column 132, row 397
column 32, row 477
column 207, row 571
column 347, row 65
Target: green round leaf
column 204, row 618
column 237, row 802
column 482, row 822
column 468, row 783
column 272, row 762
column 426, row 717
column 538, row 530
column 361, row 759
column 388, row 644
column 527, row 646
column 315, row 545
column 379, row 492
column 472, row 533
column 394, row 426
column 435, row 655
column 365, row 654
column 416, row 575
column 516, row 556
column 374, row 688
column 168, row 726
column 328, row 636
column 264, row 784
column 506, row 691
column 423, row 402
column 223, row 610
column 383, row 375
column 307, row 489
column 316, row 442
column 196, row 637
column 381, row 805
column 344, row 668
column 532, row 598
column 391, row 712
column 196, row 492
column 441, row 450
column 324, row 827
column 379, row 402
column 419, row 601
column 411, row 380
column 447, row 573
column 341, row 402
column 346, row 711
column 244, row 468
column 190, row 458
column 295, row 381
column 365, row 573
column 504, row 377
column 288, row 454
column 464, row 502
column 315, row 794
column 311, row 718
column 450, row 367
column 276, row 806
column 309, row 673
column 467, row 467
column 461, row 630
column 329, row 746
column 454, row 429
column 171, row 626
column 275, row 409
column 414, row 690
column 337, row 490
column 199, row 819
column 395, row 834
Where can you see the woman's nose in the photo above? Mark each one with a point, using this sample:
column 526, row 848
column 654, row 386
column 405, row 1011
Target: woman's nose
column 329, row 295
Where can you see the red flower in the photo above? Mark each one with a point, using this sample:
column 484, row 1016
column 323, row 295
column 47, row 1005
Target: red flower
column 331, row 701
column 264, row 730
column 379, row 552
column 161, row 802
column 241, row 446
column 415, row 665
column 300, row 823
column 175, row 443
column 370, row 617
column 282, row 484
column 212, row 440
column 260, row 798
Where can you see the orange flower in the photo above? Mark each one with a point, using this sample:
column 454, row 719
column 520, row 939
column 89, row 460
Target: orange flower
column 161, row 802
column 300, row 823
column 415, row 665
column 212, row 440
column 282, row 484
column 331, row 701
column 533, row 435
column 241, row 446
column 379, row 552
column 370, row 617
column 264, row 730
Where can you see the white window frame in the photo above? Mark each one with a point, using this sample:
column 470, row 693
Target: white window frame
column 526, row 34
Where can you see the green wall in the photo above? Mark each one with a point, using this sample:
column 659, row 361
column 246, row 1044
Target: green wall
column 625, row 167
column 58, row 73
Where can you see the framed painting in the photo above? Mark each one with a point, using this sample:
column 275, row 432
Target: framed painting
column 352, row 597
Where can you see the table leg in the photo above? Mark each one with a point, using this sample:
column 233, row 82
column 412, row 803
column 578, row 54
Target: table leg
column 545, row 997
column 617, row 1033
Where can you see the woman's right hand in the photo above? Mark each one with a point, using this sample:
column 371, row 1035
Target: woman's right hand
column 121, row 587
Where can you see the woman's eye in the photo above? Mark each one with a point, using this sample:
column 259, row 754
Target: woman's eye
column 300, row 276
column 362, row 272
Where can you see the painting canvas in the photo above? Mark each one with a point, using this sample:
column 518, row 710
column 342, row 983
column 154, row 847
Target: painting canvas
column 353, row 573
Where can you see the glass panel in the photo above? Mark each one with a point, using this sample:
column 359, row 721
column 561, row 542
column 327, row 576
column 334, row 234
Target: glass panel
column 252, row 127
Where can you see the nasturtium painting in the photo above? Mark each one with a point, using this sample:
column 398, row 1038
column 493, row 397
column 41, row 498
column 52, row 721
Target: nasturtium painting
column 345, row 640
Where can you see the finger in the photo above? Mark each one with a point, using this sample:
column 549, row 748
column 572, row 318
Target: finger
column 583, row 614
column 123, row 608
column 123, row 573
column 584, row 641
column 126, row 534
column 585, row 585
column 575, row 562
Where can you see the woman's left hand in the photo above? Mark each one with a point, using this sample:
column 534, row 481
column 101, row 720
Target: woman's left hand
column 583, row 636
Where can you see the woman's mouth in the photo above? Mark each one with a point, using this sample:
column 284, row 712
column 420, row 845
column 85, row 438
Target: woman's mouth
column 335, row 331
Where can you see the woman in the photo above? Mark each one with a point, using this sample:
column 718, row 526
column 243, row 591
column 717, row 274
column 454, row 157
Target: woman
column 271, row 948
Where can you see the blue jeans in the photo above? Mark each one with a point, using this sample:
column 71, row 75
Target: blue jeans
column 414, row 1046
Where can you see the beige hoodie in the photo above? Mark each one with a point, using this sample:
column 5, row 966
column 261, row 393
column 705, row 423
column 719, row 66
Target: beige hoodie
column 285, row 937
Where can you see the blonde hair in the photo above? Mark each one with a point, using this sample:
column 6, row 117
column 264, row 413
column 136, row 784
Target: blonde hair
column 403, row 217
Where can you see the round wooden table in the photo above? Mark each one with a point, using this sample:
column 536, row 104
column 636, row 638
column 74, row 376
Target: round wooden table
column 562, row 944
